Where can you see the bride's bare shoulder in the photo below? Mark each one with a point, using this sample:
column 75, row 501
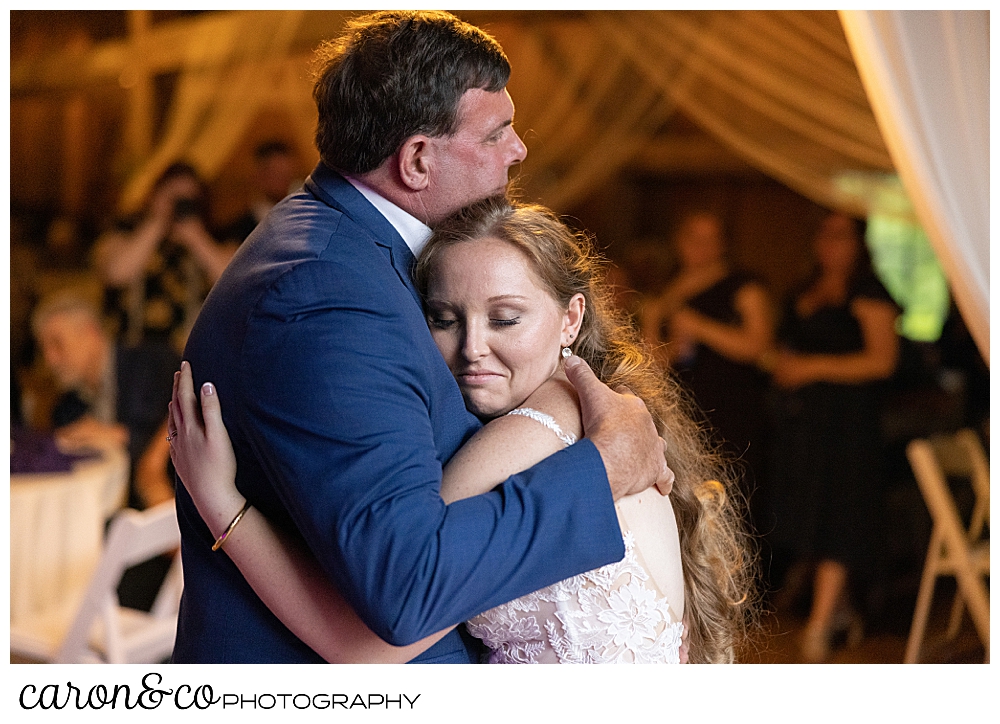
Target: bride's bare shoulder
column 511, row 444
column 557, row 398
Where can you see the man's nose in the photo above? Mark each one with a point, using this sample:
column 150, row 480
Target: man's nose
column 518, row 150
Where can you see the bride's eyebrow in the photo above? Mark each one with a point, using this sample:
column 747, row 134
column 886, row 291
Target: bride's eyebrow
column 507, row 297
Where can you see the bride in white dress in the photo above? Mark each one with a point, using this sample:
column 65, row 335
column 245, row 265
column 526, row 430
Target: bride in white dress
column 510, row 293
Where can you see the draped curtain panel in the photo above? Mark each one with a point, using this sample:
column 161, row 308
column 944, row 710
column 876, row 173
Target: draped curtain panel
column 927, row 78
column 583, row 108
column 778, row 88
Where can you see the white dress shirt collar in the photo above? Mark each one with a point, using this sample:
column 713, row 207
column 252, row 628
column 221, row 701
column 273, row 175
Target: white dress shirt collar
column 414, row 232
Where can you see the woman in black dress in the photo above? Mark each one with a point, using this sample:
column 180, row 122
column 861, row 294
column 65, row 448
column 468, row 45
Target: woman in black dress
column 837, row 342
column 711, row 325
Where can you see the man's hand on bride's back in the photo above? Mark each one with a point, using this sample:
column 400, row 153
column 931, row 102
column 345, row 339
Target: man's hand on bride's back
column 622, row 429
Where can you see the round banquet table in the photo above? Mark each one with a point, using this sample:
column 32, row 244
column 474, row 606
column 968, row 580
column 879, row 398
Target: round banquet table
column 57, row 525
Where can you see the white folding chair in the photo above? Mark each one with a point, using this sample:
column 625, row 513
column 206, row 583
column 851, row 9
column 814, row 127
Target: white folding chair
column 953, row 550
column 97, row 629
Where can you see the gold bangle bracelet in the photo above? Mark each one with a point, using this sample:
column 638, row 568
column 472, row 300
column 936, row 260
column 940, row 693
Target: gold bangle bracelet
column 239, row 516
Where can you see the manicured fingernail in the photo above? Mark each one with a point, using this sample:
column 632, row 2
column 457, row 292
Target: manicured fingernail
column 572, row 361
column 208, row 389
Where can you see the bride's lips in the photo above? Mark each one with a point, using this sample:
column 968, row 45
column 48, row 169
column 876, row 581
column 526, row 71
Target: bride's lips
column 477, row 377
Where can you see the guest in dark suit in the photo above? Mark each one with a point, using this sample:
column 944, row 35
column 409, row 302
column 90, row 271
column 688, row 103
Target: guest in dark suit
column 342, row 410
column 111, row 394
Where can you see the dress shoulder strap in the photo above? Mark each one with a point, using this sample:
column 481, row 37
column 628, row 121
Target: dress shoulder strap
column 546, row 420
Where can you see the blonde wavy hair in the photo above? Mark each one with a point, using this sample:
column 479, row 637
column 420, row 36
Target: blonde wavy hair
column 716, row 551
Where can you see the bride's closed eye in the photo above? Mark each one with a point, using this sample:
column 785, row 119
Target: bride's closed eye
column 445, row 323
column 441, row 322
column 510, row 322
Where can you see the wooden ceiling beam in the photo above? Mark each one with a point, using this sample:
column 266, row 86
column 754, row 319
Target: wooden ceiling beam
column 164, row 51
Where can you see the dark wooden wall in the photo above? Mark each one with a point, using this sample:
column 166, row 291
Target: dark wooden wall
column 768, row 226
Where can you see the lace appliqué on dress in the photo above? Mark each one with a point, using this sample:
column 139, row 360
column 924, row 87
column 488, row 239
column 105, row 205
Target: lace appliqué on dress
column 546, row 420
column 605, row 616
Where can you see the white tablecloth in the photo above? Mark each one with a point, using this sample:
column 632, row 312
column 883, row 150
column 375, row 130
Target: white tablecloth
column 57, row 527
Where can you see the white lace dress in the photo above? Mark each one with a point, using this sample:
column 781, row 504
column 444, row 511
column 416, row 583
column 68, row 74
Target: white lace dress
column 617, row 614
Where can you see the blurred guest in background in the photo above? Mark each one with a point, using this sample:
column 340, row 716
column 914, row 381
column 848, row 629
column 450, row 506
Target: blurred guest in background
column 112, row 395
column 159, row 265
column 837, row 343
column 23, row 298
column 275, row 176
column 711, row 324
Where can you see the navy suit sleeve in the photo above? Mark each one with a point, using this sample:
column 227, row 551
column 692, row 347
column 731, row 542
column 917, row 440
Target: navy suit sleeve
column 338, row 410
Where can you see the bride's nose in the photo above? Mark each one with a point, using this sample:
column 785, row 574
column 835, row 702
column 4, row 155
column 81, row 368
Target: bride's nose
column 474, row 344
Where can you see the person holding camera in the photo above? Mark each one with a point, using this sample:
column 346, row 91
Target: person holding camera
column 159, row 265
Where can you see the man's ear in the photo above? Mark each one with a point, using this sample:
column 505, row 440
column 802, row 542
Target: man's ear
column 415, row 159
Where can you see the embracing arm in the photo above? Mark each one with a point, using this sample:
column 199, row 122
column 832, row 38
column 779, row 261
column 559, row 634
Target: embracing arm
column 291, row 584
column 285, row 576
column 351, row 431
column 346, row 411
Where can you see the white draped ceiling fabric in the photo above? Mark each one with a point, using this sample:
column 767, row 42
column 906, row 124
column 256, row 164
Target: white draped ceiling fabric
column 777, row 88
column 781, row 89
column 927, row 74
column 591, row 89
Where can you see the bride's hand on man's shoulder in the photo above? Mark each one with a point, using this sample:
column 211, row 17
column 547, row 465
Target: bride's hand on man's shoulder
column 201, row 450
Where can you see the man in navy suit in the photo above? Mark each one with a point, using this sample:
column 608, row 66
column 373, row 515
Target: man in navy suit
column 340, row 408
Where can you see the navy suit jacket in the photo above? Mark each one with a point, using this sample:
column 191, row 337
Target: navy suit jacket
column 342, row 413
